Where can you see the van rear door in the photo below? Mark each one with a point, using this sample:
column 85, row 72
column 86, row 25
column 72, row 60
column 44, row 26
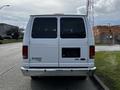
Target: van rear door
column 73, row 42
column 44, row 42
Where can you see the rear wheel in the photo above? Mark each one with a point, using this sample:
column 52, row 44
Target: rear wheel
column 83, row 77
column 34, row 77
column 91, row 74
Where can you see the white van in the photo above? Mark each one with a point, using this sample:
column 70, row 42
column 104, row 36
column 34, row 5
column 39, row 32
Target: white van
column 58, row 45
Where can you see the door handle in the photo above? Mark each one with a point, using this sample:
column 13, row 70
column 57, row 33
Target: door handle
column 82, row 59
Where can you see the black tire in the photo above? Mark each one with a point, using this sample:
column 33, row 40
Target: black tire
column 91, row 74
column 34, row 77
column 83, row 77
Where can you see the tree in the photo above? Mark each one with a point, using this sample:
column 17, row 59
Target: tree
column 13, row 32
column 15, row 35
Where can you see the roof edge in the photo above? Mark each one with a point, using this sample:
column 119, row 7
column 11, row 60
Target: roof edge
column 58, row 15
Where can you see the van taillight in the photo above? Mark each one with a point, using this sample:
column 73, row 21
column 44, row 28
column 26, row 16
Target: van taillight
column 25, row 52
column 92, row 52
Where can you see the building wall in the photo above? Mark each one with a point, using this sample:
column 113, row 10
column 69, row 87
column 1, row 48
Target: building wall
column 5, row 27
column 107, row 34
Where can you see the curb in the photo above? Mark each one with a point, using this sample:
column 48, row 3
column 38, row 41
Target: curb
column 96, row 78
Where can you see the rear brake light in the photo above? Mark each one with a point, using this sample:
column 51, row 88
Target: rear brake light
column 92, row 52
column 25, row 52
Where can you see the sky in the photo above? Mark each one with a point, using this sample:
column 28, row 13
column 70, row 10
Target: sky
column 105, row 11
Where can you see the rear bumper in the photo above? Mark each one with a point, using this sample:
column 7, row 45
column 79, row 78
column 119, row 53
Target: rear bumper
column 57, row 71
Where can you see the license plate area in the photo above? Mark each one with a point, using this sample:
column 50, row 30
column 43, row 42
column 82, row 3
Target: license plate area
column 70, row 52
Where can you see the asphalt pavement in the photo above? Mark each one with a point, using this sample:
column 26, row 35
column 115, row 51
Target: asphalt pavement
column 11, row 77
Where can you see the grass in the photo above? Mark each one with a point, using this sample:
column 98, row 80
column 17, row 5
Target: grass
column 108, row 68
column 5, row 41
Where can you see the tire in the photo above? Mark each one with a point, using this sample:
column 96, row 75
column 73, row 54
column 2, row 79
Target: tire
column 34, row 77
column 91, row 74
column 83, row 77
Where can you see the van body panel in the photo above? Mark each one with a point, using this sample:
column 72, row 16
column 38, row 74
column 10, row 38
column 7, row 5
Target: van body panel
column 44, row 53
column 75, row 61
column 72, row 42
column 44, row 50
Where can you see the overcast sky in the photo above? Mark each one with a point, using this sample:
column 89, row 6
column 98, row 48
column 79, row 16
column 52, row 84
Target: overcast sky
column 106, row 11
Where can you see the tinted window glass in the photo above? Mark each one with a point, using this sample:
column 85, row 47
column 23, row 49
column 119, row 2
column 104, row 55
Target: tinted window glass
column 70, row 52
column 44, row 28
column 72, row 28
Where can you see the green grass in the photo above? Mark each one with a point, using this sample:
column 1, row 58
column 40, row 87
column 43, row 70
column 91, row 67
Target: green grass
column 108, row 68
column 10, row 41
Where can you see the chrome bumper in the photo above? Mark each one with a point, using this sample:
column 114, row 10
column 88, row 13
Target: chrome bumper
column 57, row 71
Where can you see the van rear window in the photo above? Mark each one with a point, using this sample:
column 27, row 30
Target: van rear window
column 44, row 28
column 72, row 28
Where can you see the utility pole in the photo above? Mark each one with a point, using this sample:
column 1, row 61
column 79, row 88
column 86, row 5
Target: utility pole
column 111, row 34
column 90, row 12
